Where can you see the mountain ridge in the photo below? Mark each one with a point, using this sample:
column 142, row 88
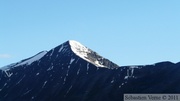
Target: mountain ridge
column 75, row 47
column 62, row 75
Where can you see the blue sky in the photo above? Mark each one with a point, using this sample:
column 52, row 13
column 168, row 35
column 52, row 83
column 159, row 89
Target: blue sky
column 128, row 32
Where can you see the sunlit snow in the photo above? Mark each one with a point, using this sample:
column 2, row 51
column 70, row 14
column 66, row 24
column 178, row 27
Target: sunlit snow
column 82, row 52
column 26, row 62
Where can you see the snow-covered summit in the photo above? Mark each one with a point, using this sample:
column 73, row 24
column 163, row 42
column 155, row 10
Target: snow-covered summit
column 89, row 55
column 83, row 52
column 79, row 49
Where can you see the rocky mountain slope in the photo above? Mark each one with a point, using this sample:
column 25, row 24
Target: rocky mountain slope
column 72, row 72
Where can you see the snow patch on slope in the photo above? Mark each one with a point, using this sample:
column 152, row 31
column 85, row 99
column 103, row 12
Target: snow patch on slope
column 33, row 59
column 83, row 52
column 27, row 61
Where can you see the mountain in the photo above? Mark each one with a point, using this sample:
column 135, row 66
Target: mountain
column 72, row 72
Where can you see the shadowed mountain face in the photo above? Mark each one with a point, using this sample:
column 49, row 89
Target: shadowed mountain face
column 72, row 72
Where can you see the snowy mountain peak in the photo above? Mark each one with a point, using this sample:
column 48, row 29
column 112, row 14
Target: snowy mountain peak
column 78, row 48
column 90, row 56
column 83, row 52
column 65, row 49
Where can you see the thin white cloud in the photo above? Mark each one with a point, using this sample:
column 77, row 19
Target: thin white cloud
column 5, row 56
